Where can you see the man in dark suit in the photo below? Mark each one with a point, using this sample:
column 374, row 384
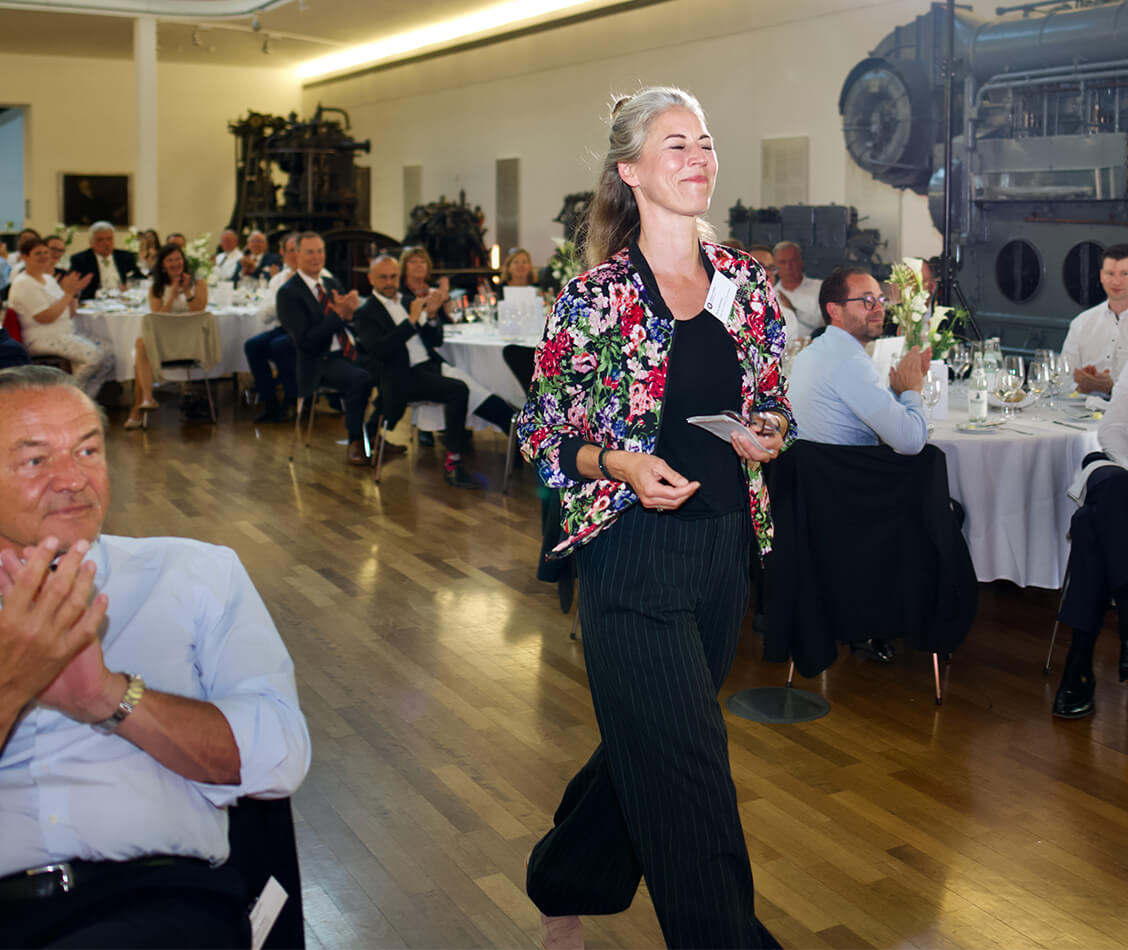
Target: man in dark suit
column 310, row 309
column 12, row 352
column 110, row 267
column 396, row 343
column 257, row 261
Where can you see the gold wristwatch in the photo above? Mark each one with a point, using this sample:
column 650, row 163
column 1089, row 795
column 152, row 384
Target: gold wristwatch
column 133, row 693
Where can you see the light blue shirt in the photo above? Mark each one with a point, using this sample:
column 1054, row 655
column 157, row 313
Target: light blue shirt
column 186, row 617
column 838, row 398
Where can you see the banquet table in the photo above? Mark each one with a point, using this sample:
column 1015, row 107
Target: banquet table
column 476, row 348
column 118, row 324
column 1012, row 480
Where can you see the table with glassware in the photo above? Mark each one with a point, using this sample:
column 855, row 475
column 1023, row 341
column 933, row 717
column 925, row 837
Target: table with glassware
column 1011, row 472
column 115, row 320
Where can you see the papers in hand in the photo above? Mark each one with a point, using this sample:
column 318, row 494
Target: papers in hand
column 724, row 424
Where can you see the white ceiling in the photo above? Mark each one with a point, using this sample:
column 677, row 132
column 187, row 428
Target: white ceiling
column 295, row 34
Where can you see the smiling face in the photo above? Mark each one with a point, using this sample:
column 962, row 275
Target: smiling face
column 790, row 263
column 58, row 248
column 311, row 257
column 256, row 243
column 53, row 477
column 228, row 241
column 102, row 242
column 677, row 169
column 415, row 270
column 863, row 325
column 520, row 268
column 290, row 253
column 173, row 266
column 383, row 275
column 39, row 261
column 1114, row 280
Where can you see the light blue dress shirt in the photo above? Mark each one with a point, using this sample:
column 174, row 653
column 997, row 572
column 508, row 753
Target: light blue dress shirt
column 186, row 617
column 838, row 398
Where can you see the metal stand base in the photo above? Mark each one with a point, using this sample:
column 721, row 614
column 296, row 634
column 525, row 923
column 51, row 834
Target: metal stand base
column 777, row 705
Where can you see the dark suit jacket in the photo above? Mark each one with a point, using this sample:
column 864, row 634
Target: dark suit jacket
column 85, row 262
column 866, row 545
column 382, row 350
column 309, row 327
column 263, row 269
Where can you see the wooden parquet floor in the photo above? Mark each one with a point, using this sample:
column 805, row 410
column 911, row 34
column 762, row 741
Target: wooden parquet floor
column 448, row 708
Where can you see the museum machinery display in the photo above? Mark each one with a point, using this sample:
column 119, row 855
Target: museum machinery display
column 1038, row 123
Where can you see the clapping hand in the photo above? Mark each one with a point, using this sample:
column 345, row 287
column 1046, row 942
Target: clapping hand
column 49, row 624
column 345, row 305
column 1090, row 381
column 74, row 283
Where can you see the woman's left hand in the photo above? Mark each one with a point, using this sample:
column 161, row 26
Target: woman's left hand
column 744, row 447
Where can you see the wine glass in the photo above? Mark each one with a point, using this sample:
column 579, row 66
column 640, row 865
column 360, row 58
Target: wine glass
column 930, row 393
column 1040, row 376
column 1008, row 383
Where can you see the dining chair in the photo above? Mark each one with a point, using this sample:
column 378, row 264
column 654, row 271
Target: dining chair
column 178, row 343
column 15, row 331
column 840, row 573
column 311, row 400
column 382, row 429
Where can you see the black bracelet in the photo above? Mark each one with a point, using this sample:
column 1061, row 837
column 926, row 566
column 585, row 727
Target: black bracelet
column 602, row 467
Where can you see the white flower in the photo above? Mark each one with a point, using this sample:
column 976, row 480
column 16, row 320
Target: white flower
column 916, row 265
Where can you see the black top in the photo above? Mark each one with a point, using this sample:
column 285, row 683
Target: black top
column 703, row 378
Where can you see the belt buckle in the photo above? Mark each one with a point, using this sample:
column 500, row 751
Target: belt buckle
column 63, row 869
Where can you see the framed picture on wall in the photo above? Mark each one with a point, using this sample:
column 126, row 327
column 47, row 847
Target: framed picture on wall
column 84, row 199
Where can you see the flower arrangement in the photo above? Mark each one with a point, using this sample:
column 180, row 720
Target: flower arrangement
column 132, row 241
column 66, row 232
column 565, row 262
column 910, row 311
column 198, row 254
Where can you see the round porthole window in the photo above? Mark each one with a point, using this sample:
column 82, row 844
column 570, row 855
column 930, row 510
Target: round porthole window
column 1081, row 273
column 1018, row 270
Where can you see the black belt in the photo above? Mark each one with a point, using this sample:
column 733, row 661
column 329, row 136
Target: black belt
column 51, row 880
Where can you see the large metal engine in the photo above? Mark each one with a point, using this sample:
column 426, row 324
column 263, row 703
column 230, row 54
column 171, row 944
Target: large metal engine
column 1039, row 151
column 323, row 187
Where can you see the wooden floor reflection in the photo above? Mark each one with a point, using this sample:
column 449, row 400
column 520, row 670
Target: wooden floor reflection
column 448, row 708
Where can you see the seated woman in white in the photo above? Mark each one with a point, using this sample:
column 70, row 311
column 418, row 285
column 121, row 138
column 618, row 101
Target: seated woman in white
column 45, row 307
column 174, row 290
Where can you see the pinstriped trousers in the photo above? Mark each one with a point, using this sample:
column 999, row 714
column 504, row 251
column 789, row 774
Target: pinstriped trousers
column 661, row 603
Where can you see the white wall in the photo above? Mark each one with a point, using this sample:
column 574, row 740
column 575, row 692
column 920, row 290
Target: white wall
column 81, row 118
column 760, row 69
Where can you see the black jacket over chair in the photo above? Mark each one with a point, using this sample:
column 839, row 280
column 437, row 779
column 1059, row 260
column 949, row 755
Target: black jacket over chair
column 382, row 350
column 85, row 262
column 866, row 545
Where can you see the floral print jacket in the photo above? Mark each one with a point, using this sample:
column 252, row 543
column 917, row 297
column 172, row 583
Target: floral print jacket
column 600, row 377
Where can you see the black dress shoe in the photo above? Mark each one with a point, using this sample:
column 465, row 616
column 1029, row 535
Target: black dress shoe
column 426, row 439
column 1122, row 665
column 460, row 478
column 876, row 649
column 1074, row 699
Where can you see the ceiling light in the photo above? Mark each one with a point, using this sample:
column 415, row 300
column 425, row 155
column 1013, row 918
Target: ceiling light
column 481, row 21
column 255, row 25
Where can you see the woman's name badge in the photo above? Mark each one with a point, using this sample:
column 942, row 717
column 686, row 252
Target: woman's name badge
column 722, row 293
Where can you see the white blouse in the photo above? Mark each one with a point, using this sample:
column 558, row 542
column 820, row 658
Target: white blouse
column 28, row 297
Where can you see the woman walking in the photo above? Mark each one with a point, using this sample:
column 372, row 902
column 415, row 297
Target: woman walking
column 663, row 517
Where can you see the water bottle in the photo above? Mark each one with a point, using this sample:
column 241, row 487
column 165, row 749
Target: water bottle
column 977, row 388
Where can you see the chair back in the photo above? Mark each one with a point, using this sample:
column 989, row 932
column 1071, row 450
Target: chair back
column 188, row 339
column 866, row 545
column 12, row 325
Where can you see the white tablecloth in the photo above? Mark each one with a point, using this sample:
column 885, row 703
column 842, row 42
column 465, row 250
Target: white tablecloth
column 1012, row 483
column 121, row 328
column 476, row 348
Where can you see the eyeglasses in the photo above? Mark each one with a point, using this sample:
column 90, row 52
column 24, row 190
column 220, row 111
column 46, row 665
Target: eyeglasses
column 869, row 301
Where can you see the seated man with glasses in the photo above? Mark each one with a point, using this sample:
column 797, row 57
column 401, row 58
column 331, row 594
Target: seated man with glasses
column 837, row 394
